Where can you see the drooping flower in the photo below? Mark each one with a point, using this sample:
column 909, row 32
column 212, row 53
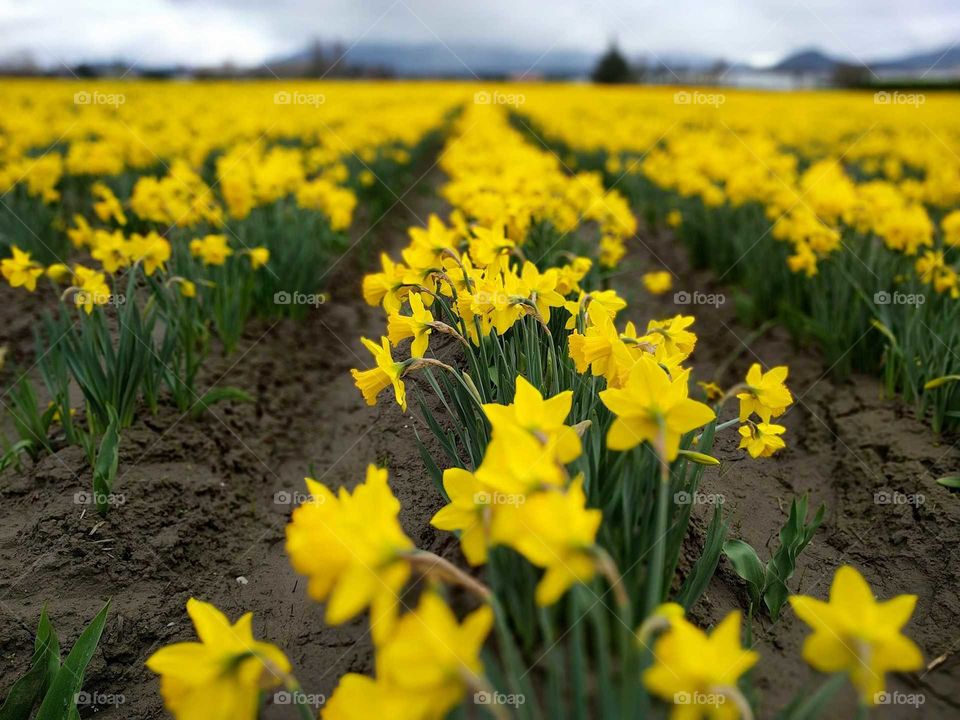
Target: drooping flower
column 762, row 439
column 416, row 325
column 221, row 676
column 854, row 633
column 651, row 404
column 386, row 373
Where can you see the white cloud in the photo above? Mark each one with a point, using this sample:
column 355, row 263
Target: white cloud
column 250, row 31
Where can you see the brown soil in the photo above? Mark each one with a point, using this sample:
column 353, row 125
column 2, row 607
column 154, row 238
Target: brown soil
column 201, row 516
column 846, row 444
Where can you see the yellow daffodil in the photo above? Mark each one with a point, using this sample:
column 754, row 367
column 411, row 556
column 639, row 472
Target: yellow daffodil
column 387, row 287
column 658, row 283
column 81, row 234
column 697, row 673
column 212, row 249
column 426, row 666
column 107, row 207
column 259, row 256
column 765, row 393
column 221, row 676
column 651, row 404
column 855, row 634
column 386, row 373
column 59, row 273
column 433, row 655
column 671, row 338
column 553, row 529
column 20, row 270
column 111, row 249
column 542, row 418
column 762, row 439
column 418, row 325
column 151, row 250
column 351, row 548
column 91, row 288
column 469, row 512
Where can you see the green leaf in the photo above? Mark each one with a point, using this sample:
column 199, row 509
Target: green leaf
column 748, row 566
column 706, row 564
column 952, row 482
column 807, row 707
column 105, row 469
column 212, row 397
column 59, row 700
column 29, row 689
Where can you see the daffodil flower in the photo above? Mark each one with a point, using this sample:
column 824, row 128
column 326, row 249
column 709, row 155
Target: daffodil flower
column 651, row 405
column 221, row 676
column 765, row 393
column 855, row 634
column 20, row 270
column 211, row 249
column 418, row 325
column 697, row 672
column 352, row 549
column 386, row 373
column 761, row 439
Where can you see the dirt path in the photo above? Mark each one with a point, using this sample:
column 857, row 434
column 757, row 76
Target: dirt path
column 206, row 502
column 847, row 446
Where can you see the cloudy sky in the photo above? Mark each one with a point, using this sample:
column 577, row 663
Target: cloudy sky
column 158, row 32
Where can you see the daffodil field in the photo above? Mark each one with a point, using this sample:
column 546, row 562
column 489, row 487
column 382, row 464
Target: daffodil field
column 562, row 435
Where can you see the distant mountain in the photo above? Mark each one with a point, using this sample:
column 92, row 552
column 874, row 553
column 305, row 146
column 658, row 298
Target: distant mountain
column 807, row 61
column 943, row 59
column 817, row 61
column 433, row 59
